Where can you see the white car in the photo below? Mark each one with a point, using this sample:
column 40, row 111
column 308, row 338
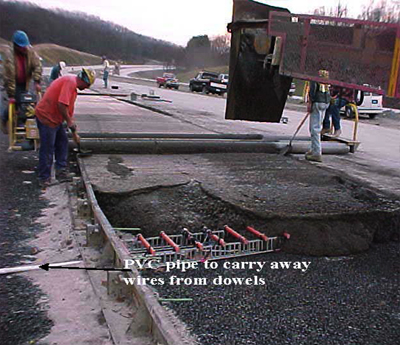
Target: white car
column 371, row 106
column 224, row 78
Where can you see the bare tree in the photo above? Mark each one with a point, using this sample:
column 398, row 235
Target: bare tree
column 339, row 10
column 221, row 44
column 382, row 11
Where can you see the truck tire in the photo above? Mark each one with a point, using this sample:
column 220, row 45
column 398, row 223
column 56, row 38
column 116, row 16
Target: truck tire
column 191, row 88
column 159, row 85
column 372, row 116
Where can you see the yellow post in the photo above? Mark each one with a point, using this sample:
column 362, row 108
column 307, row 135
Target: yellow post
column 355, row 110
column 305, row 91
column 394, row 73
column 11, row 132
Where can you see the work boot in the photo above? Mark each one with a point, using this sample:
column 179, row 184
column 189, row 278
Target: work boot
column 4, row 127
column 43, row 184
column 337, row 133
column 313, row 158
column 62, row 175
column 325, row 131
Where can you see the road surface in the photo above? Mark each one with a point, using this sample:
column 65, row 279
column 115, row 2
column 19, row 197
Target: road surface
column 377, row 161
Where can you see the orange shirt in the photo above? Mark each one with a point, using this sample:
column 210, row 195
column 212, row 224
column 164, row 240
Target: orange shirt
column 62, row 90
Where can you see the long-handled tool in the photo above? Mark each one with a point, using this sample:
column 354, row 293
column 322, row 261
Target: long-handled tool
column 286, row 150
column 77, row 140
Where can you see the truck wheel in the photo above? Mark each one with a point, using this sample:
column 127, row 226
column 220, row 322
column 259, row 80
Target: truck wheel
column 349, row 113
column 177, row 88
column 372, row 116
column 191, row 88
column 159, row 85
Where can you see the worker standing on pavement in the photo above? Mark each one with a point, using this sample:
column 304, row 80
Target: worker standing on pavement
column 21, row 65
column 106, row 71
column 57, row 71
column 319, row 99
column 55, row 108
column 340, row 98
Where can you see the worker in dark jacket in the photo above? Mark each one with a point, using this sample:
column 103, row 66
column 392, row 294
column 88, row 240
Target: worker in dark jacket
column 21, row 65
column 319, row 99
column 56, row 71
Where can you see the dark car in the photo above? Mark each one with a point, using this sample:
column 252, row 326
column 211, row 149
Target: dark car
column 208, row 82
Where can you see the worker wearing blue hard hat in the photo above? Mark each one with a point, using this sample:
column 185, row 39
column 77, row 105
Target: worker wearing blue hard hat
column 20, row 38
column 21, row 65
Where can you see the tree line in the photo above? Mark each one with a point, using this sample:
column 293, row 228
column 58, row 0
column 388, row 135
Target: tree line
column 82, row 32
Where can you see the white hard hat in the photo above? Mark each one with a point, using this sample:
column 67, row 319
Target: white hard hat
column 62, row 64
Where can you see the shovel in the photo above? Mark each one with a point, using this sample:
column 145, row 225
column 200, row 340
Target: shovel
column 82, row 152
column 286, row 150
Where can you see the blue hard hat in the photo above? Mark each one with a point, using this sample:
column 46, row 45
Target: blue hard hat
column 20, row 38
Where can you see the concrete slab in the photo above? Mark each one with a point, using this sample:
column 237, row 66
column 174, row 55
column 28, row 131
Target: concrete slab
column 106, row 114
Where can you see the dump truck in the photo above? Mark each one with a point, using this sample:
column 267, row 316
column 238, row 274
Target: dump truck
column 270, row 46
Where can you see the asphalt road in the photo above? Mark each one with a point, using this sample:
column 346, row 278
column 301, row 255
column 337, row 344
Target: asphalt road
column 22, row 319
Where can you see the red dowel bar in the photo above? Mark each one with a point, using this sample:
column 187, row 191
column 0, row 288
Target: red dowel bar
column 257, row 233
column 218, row 240
column 236, row 235
column 168, row 240
column 146, row 244
column 198, row 245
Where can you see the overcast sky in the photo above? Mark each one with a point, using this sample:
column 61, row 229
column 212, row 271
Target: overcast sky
column 178, row 20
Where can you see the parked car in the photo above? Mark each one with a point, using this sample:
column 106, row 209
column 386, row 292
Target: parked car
column 168, row 80
column 208, row 82
column 292, row 89
column 371, row 106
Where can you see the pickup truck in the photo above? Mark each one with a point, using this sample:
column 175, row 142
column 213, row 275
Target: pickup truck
column 208, row 82
column 168, row 80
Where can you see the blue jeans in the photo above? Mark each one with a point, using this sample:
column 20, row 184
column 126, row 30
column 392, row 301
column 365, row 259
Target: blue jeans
column 334, row 111
column 105, row 78
column 53, row 142
column 316, row 115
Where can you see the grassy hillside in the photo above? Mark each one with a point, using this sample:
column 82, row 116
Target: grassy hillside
column 52, row 53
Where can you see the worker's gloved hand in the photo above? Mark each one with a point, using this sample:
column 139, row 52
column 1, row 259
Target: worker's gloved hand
column 72, row 127
column 76, row 138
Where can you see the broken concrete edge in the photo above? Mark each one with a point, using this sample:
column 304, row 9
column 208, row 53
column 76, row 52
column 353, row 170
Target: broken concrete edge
column 162, row 326
column 384, row 193
column 363, row 240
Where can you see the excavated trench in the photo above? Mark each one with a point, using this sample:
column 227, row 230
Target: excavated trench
column 327, row 215
column 319, row 233
column 329, row 303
